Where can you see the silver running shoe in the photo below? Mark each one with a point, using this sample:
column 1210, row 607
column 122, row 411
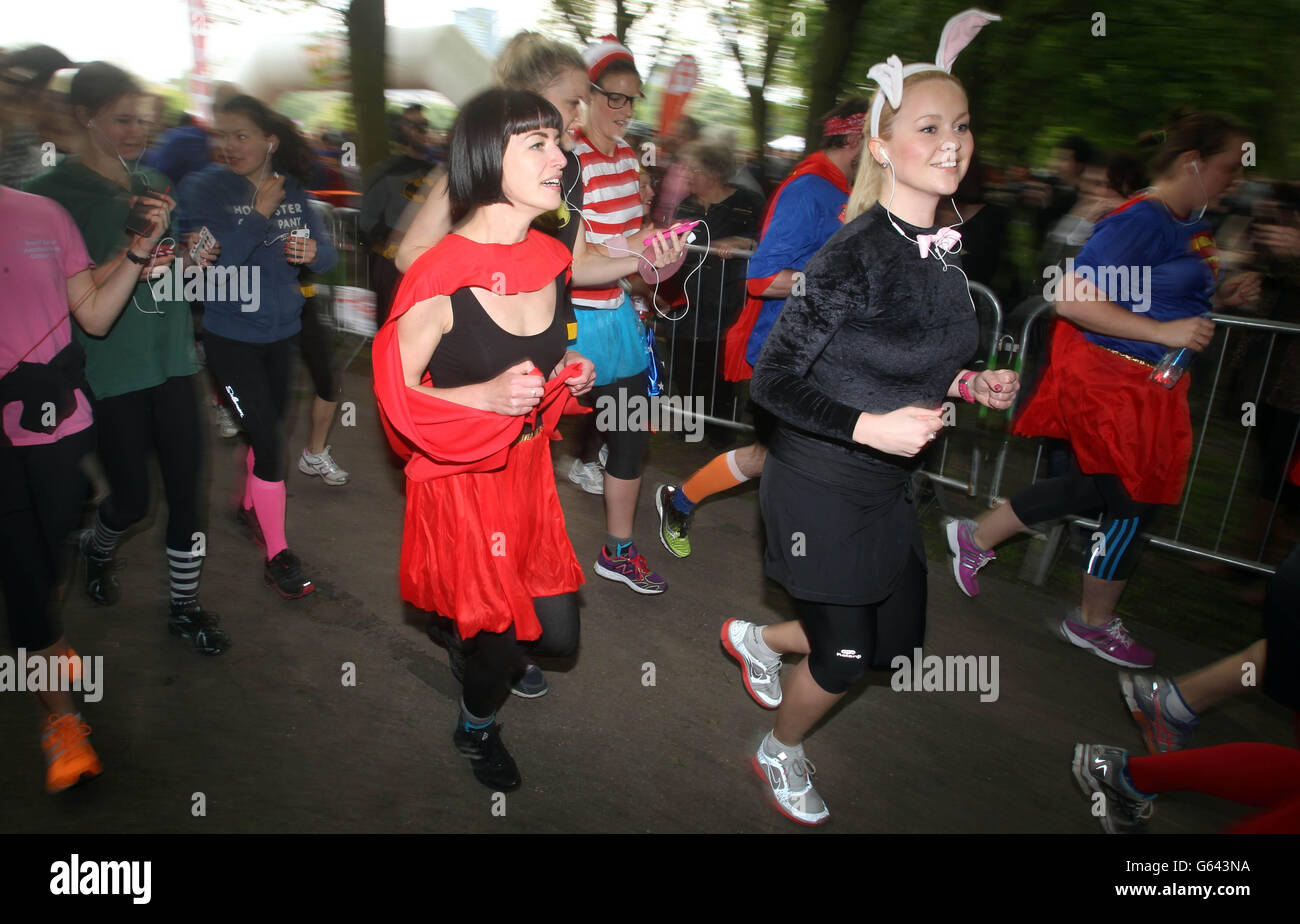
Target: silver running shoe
column 1147, row 696
column 322, row 464
column 590, row 477
column 762, row 680
column 1099, row 770
column 789, row 777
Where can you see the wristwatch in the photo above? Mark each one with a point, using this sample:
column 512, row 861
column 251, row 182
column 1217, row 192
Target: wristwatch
column 142, row 261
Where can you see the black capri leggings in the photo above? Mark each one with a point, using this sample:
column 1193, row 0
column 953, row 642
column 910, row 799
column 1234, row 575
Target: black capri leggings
column 318, row 351
column 164, row 420
column 844, row 641
column 1123, row 521
column 627, row 447
column 255, row 377
column 42, row 489
column 493, row 659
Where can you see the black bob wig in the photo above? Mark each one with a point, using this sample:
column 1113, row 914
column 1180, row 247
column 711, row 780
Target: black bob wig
column 478, row 143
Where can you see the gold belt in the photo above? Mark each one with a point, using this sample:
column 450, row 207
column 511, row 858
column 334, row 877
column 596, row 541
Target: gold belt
column 1132, row 359
column 527, row 435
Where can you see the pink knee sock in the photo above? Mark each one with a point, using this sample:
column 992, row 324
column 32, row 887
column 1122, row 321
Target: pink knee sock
column 268, row 504
column 248, row 482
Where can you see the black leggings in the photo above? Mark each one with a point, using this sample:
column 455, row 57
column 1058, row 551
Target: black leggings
column 627, row 447
column 844, row 641
column 165, row 420
column 317, row 343
column 255, row 377
column 1123, row 521
column 493, row 659
column 42, row 489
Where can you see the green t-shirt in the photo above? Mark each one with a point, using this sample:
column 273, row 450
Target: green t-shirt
column 151, row 341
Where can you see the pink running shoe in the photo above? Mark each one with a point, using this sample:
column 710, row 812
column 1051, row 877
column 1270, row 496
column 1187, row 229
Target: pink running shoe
column 967, row 557
column 1110, row 642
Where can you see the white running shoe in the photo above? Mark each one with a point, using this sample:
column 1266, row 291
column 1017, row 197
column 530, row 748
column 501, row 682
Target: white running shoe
column 226, row 425
column 322, row 464
column 789, row 776
column 590, row 477
column 762, row 680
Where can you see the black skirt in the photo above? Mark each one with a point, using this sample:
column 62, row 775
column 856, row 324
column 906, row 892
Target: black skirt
column 836, row 543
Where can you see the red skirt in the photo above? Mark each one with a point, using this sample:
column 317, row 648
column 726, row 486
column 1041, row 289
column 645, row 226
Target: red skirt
column 1117, row 420
column 479, row 546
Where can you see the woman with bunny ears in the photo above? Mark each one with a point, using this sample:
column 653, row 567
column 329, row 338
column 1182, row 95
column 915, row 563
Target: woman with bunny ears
column 856, row 370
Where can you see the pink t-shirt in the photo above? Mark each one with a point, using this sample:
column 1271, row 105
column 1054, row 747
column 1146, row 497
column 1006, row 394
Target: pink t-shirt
column 40, row 249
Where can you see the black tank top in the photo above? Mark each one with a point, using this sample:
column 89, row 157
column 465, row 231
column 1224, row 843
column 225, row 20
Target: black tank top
column 478, row 350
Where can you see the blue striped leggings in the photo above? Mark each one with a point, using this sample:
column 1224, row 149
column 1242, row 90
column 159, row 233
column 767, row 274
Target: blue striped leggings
column 1111, row 557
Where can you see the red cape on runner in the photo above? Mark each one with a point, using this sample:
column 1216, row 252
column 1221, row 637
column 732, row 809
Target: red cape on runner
column 484, row 533
column 439, row 438
column 734, row 366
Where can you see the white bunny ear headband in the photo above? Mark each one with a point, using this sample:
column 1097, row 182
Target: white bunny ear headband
column 890, row 74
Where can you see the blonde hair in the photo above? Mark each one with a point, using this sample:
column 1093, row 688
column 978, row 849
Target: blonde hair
column 869, row 182
column 530, row 61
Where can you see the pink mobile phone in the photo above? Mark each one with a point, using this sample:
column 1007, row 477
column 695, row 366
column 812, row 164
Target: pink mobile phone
column 663, row 235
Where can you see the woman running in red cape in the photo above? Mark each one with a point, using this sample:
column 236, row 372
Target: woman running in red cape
column 472, row 374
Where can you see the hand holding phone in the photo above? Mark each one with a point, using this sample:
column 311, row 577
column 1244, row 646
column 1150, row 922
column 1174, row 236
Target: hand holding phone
column 295, row 247
column 665, row 236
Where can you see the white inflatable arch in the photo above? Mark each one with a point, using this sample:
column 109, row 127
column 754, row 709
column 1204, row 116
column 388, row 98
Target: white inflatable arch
column 437, row 58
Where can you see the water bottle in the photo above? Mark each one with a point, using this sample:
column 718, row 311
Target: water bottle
column 1170, row 369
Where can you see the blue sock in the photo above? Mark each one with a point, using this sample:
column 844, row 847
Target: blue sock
column 471, row 722
column 683, row 504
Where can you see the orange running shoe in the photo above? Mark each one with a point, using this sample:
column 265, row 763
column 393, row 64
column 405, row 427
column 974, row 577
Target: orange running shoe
column 69, row 758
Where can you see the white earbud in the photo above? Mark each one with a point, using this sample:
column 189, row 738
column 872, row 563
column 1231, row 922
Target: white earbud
column 1196, row 167
column 270, row 147
column 886, row 162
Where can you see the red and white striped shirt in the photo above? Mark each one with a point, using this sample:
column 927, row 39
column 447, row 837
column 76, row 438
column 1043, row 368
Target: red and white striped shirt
column 611, row 207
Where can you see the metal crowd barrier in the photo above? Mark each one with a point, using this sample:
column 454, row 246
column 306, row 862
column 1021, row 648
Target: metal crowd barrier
column 1217, row 429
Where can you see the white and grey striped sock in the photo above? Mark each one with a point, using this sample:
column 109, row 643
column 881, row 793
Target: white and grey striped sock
column 184, row 567
column 103, row 541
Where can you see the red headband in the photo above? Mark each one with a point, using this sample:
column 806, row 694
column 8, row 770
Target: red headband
column 844, row 125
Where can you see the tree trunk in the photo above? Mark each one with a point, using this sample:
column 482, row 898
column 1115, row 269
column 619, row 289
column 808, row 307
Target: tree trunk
column 834, row 47
column 367, row 59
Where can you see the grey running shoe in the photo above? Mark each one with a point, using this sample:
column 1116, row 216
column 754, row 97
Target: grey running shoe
column 1099, row 769
column 1147, row 696
column 532, row 683
column 762, row 680
column 590, row 477
column 789, row 778
column 322, row 464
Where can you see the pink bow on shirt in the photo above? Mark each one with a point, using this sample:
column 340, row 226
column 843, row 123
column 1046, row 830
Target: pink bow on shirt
column 945, row 239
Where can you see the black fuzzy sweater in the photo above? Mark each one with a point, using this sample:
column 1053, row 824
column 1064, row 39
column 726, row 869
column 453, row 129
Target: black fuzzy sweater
column 877, row 328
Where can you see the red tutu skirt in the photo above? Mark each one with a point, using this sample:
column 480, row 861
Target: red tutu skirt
column 1117, row 420
column 478, row 546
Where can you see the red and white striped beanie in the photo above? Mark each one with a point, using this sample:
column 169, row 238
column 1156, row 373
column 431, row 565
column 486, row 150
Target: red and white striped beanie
column 602, row 54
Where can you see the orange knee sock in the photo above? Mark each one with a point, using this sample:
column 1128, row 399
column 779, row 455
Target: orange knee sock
column 720, row 474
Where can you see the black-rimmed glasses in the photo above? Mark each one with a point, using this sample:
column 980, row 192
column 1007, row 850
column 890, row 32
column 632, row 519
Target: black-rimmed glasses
column 616, row 100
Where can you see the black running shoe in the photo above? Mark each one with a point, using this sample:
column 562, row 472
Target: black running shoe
column 493, row 765
column 101, row 579
column 189, row 621
column 246, row 519
column 284, row 573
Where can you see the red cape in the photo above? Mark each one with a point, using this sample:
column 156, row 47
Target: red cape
column 734, row 366
column 437, row 438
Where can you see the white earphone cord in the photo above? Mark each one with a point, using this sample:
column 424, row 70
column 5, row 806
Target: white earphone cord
column 655, row 294
column 938, row 253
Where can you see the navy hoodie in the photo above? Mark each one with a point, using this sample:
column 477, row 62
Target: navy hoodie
column 222, row 201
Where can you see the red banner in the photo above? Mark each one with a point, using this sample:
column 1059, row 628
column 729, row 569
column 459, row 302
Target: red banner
column 681, row 81
column 200, row 86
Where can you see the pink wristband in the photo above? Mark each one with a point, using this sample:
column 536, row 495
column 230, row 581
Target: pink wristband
column 963, row 389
